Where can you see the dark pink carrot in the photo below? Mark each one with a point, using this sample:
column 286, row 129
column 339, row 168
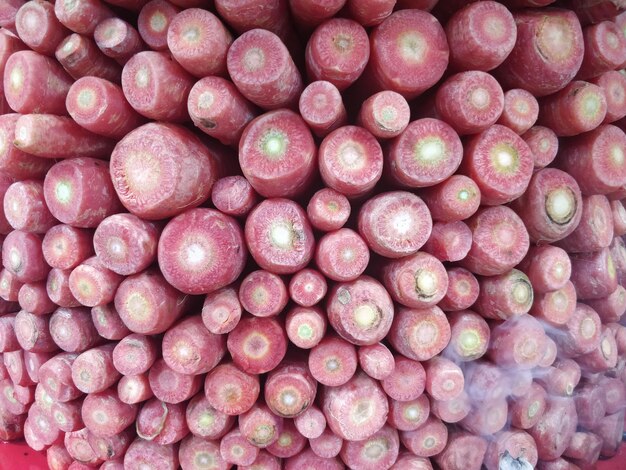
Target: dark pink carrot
column 66, row 416
column 526, row 410
column 370, row 12
column 157, row 87
column 147, row 304
column 600, row 266
column 305, row 326
column 34, row 298
column 257, row 345
column 199, row 42
column 99, row 106
column 80, row 57
column 614, row 392
column 43, row 430
column 605, row 49
column 205, row 421
column 307, row 287
column 376, row 360
column 328, row 210
column 311, row 423
column 195, row 451
column 395, row 224
column 164, row 154
column 454, row 199
column 79, row 448
column 230, row 390
column 385, row 114
column 24, row 74
column 133, row 389
column 595, row 230
column 8, row 400
column 236, row 450
column 584, row 447
column 261, row 67
column 321, row 107
column 259, row 426
column 552, row 206
column 111, row 448
column 55, row 378
column 577, row 108
column 500, row 163
column 596, row 159
column 619, row 218
column 35, row 134
column 82, row 16
column 58, row 288
column 310, row 13
column 560, row 414
column 581, row 334
column 162, row 423
column 514, row 444
column 609, row 430
column 8, row 340
column 118, row 39
column 279, row 236
column 263, row 294
column 188, row 252
column 33, row 332
column 518, row 343
column 380, row 449
column 221, row 310
column 407, row 380
column 350, row 161
column 595, row 12
column 613, row 84
column 126, row 244
column 419, row 334
column 543, row 144
column 189, row 348
column 33, row 361
column 105, row 415
column 142, row 453
column 561, row 378
column 308, row 459
column 14, row 162
column 499, row 241
column 93, row 370
column 428, row 440
column 520, row 111
column 10, row 286
column 449, row 241
column 337, row 52
column 289, row 443
column 72, row 329
column 409, row 52
column 480, row 36
column 603, row 357
column 444, row 379
column 68, row 195
column 548, row 268
column 555, row 307
column 171, row 386
column 135, row 354
column 360, row 311
column 427, row 152
column 485, row 419
column 38, row 27
column 409, row 415
column 219, row 109
column 92, row 284
column 343, row 407
column 470, row 102
column 234, row 195
column 65, row 247
column 23, row 258
column 549, row 45
column 504, row 296
column 153, row 22
column 58, row 458
column 342, row 255
column 333, row 361
column 416, row 281
column 277, row 154
column 619, row 331
column 451, row 411
column 612, row 307
column 464, row 450
column 407, row 459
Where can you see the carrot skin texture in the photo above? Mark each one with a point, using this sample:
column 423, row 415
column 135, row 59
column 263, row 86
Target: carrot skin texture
column 135, row 354
column 80, row 57
column 322, row 108
column 118, row 39
column 170, row 386
column 14, row 162
column 153, row 22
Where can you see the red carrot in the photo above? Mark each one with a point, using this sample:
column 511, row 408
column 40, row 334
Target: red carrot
column 93, row 370
column 10, row 286
column 581, row 334
column 205, row 421
column 171, row 386
column 58, row 288
column 321, row 106
column 409, row 415
column 235, row 449
column 118, row 39
column 162, row 423
column 380, row 449
column 456, row 198
column 543, row 144
column 153, row 22
column 72, row 329
column 449, row 241
column 289, row 443
column 82, row 17
column 428, row 440
column 605, row 49
column 22, row 256
column 38, row 27
column 15, row 163
column 230, row 390
column 451, row 411
column 504, row 296
column 145, row 453
column 603, row 357
column 419, row 334
column 221, row 310
column 427, row 152
column 555, row 307
column 595, row 230
column 308, row 457
column 520, row 111
column 257, row 345
column 92, row 284
column 133, row 389
column 385, row 114
column 311, row 423
column 33, row 298
column 613, row 84
column 194, row 450
column 260, row 426
column 598, row 265
column 612, row 307
column 65, row 247
column 263, row 294
column 376, row 360
column 548, row 268
column 55, row 377
column 333, row 361
column 110, row 448
column 518, row 343
column 80, row 57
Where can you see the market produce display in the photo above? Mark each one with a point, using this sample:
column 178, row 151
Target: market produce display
column 313, row 234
